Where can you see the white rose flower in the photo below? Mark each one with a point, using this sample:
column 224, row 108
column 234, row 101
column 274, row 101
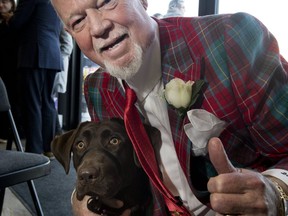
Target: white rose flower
column 178, row 93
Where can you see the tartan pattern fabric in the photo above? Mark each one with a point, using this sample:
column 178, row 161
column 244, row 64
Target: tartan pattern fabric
column 247, row 86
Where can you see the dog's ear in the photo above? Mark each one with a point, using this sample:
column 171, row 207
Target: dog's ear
column 155, row 139
column 136, row 160
column 61, row 146
column 154, row 135
column 118, row 120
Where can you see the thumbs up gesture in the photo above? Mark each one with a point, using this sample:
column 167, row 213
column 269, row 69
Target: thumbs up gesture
column 238, row 191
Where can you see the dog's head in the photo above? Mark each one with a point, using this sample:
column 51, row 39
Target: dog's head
column 103, row 157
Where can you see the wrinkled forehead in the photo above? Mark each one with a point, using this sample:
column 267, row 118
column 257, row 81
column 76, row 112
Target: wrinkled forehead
column 66, row 8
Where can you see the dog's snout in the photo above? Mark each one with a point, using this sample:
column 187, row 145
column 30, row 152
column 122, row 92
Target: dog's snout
column 88, row 176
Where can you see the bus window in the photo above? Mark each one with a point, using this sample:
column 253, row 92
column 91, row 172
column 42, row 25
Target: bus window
column 161, row 6
column 272, row 13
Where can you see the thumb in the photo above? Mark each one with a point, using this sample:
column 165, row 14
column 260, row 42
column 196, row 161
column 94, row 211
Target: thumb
column 218, row 157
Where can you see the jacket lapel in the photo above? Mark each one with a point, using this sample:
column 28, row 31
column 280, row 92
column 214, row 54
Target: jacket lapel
column 178, row 61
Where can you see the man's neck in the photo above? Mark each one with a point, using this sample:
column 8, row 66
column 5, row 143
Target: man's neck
column 150, row 71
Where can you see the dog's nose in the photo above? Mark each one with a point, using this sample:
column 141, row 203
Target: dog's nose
column 88, row 175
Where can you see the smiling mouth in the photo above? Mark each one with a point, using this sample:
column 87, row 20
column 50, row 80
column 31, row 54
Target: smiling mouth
column 118, row 40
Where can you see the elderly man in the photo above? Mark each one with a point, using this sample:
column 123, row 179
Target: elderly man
column 245, row 87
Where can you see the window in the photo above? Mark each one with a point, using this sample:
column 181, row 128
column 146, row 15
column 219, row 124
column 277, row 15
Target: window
column 272, row 13
column 161, row 6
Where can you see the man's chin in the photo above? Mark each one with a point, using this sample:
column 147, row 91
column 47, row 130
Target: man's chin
column 124, row 73
column 129, row 68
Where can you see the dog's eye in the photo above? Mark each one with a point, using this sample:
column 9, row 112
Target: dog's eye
column 114, row 141
column 80, row 145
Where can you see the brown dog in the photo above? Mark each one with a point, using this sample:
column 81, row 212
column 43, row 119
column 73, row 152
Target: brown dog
column 105, row 163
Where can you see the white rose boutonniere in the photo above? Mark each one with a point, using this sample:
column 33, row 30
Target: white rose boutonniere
column 182, row 95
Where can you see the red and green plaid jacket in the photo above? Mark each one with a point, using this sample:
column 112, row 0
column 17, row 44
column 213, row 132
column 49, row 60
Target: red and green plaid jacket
column 247, row 87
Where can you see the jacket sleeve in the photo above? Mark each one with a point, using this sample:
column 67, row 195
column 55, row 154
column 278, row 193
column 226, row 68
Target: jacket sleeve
column 260, row 86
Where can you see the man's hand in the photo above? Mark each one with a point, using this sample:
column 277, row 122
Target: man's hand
column 80, row 207
column 238, row 191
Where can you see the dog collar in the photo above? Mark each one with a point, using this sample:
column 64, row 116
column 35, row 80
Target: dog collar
column 95, row 205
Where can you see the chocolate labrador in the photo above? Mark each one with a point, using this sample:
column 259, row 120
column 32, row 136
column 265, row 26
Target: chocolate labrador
column 106, row 165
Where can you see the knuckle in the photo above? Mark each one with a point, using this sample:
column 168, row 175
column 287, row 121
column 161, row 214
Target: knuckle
column 257, row 183
column 216, row 202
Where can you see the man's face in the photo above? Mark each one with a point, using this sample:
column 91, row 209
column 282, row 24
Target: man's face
column 112, row 33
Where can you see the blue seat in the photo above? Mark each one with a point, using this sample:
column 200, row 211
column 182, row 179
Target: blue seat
column 17, row 166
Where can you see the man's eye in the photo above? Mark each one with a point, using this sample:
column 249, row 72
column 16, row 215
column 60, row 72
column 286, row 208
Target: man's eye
column 102, row 3
column 107, row 4
column 78, row 24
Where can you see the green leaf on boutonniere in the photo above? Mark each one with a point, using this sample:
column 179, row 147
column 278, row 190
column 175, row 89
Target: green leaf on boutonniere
column 196, row 88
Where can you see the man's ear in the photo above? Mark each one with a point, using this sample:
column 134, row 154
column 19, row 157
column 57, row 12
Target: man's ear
column 145, row 4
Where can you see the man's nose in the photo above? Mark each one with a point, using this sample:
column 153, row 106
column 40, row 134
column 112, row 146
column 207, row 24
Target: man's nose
column 97, row 23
